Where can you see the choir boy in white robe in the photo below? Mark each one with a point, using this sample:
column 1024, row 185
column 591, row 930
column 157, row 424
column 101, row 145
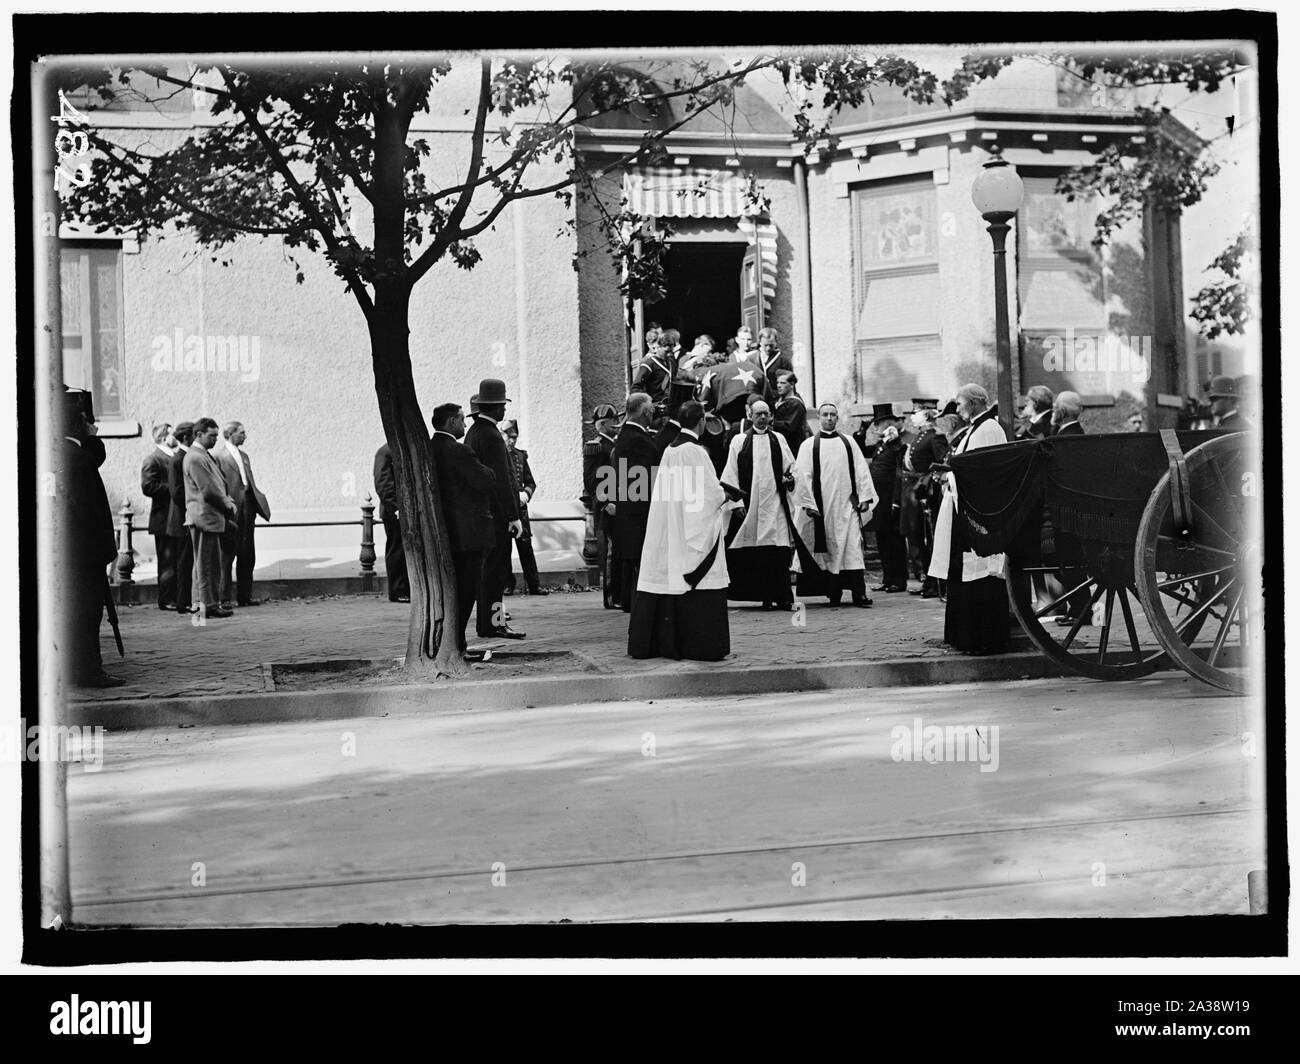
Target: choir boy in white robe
column 680, row 608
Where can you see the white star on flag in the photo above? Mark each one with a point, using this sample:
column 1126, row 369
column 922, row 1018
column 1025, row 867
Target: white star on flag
column 746, row 375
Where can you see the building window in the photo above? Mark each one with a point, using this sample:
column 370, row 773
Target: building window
column 896, row 292
column 90, row 276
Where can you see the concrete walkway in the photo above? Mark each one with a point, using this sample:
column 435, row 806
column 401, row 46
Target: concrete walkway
column 168, row 656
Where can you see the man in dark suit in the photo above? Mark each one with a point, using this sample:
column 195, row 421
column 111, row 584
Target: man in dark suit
column 1065, row 414
column 87, row 544
column 484, row 439
column 154, row 483
column 525, row 486
column 467, row 490
column 399, row 582
column 789, row 414
column 182, row 548
column 774, row 363
column 1222, row 392
column 597, row 492
column 1037, row 413
column 636, row 454
column 885, row 464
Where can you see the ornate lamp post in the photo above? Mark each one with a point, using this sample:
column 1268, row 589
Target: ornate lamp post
column 997, row 193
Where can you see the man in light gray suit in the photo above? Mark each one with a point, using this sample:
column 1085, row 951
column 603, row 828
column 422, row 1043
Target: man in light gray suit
column 208, row 505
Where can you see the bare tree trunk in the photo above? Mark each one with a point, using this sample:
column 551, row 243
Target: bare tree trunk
column 431, row 643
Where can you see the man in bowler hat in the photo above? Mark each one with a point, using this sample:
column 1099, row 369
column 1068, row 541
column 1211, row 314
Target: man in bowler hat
column 1223, row 405
column 484, row 438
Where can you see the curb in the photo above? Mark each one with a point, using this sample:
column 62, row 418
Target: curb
column 689, row 681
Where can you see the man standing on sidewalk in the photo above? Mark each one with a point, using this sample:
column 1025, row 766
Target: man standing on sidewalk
column 526, row 486
column 154, row 483
column 838, row 480
column 182, row 548
column 760, row 468
column 249, row 502
column 86, row 543
column 207, row 508
column 399, row 582
column 485, row 441
column 467, row 490
column 884, row 478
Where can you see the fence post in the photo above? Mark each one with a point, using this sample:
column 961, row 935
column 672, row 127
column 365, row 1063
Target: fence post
column 125, row 552
column 368, row 543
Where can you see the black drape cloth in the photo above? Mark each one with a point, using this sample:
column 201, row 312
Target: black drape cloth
column 977, row 619
column 692, row 626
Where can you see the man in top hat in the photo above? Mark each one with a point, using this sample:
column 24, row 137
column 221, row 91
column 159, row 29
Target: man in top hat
column 1223, row 405
column 154, row 483
column 884, row 467
column 86, row 543
column 484, row 439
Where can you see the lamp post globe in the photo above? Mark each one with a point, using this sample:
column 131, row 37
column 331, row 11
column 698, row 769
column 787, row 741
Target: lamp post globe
column 997, row 194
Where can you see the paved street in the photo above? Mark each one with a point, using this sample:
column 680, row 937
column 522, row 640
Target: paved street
column 1075, row 798
column 167, row 656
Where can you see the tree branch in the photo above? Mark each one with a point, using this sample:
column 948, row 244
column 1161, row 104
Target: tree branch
column 444, row 240
column 309, row 207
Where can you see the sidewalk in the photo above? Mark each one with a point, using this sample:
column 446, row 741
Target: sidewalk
column 279, row 650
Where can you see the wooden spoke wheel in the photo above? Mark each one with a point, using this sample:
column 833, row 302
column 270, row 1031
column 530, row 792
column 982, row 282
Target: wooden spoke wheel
column 1105, row 635
column 1202, row 587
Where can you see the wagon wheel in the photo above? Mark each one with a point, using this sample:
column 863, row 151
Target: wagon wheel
column 1109, row 639
column 1203, row 589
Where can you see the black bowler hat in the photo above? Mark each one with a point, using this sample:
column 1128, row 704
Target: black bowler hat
column 1219, row 388
column 76, row 401
column 490, row 391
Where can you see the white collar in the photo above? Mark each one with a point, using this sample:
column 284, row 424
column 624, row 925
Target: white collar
column 184, row 447
column 73, row 439
column 165, row 449
column 1067, row 425
column 687, row 432
column 444, row 432
column 484, row 417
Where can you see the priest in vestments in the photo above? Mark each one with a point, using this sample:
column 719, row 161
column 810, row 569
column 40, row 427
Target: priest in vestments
column 837, row 497
column 976, row 616
column 761, row 468
column 680, row 607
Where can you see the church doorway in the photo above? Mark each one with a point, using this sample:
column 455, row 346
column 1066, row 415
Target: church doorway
column 704, row 291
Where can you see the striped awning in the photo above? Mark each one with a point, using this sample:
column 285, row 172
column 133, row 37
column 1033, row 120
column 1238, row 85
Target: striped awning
column 694, row 193
column 687, row 193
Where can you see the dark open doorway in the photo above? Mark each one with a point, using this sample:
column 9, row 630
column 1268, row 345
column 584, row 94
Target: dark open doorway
column 703, row 292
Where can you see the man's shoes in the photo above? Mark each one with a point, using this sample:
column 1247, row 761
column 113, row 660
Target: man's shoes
column 504, row 632
column 400, row 598
column 167, row 606
column 227, row 605
column 1065, row 620
column 929, row 592
column 894, row 590
column 863, row 602
column 218, row 611
column 100, row 679
column 881, row 587
column 767, row 607
column 538, row 591
column 250, row 602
